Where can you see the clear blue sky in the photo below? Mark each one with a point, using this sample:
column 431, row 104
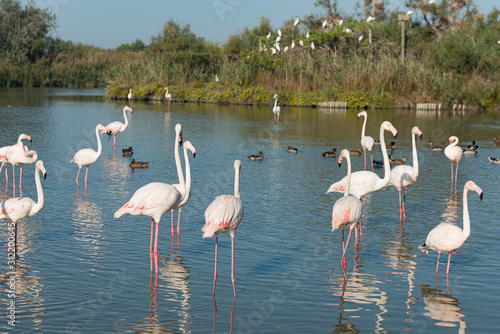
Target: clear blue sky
column 109, row 23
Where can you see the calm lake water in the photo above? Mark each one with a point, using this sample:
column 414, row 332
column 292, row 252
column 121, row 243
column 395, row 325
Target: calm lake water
column 79, row 270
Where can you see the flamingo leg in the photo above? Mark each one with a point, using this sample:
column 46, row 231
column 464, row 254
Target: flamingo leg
column 21, row 179
column 371, row 155
column 347, row 243
column 172, row 223
column 437, row 265
column 86, row 172
column 364, row 153
column 400, row 207
column 215, row 270
column 6, row 176
column 360, row 229
column 232, row 266
column 448, row 266
column 404, row 201
column 452, row 173
column 151, row 245
column 79, row 168
column 156, row 247
column 456, row 175
column 178, row 222
column 13, row 178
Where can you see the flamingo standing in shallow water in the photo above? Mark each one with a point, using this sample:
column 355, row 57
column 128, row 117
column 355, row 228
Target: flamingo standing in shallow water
column 365, row 182
column 116, row 127
column 156, row 198
column 454, row 153
column 446, row 237
column 404, row 176
column 276, row 108
column 3, row 160
column 223, row 215
column 19, row 154
column 168, row 97
column 18, row 208
column 347, row 210
column 366, row 141
column 187, row 193
column 87, row 156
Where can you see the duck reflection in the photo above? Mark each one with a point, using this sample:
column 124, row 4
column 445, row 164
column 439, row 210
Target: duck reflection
column 443, row 308
column 401, row 257
column 88, row 223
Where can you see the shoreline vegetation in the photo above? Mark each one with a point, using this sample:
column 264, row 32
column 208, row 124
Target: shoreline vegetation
column 451, row 58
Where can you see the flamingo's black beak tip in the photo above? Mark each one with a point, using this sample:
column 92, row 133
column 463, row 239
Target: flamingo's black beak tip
column 44, row 176
column 194, row 155
column 420, row 137
column 396, row 136
column 340, row 164
column 481, row 196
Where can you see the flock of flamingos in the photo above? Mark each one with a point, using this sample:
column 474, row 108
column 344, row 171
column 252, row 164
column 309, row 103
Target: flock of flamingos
column 226, row 211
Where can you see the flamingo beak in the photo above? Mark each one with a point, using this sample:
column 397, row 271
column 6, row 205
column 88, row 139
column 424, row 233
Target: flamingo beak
column 481, row 196
column 180, row 139
column 420, row 136
column 194, row 155
column 45, row 177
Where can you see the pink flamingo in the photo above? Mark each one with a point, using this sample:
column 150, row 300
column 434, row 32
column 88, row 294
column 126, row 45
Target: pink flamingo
column 404, row 176
column 18, row 208
column 223, row 215
column 347, row 210
column 187, row 193
column 19, row 154
column 87, row 156
column 366, row 141
column 168, row 97
column 130, row 96
column 365, row 182
column 155, row 199
column 454, row 153
column 447, row 237
column 116, row 127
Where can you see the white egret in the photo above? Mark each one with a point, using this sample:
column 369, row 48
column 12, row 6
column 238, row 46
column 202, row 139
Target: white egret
column 296, row 21
column 360, row 38
column 312, row 46
column 301, row 42
column 409, row 12
column 293, row 45
column 369, row 19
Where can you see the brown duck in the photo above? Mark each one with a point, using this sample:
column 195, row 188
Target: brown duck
column 138, row 164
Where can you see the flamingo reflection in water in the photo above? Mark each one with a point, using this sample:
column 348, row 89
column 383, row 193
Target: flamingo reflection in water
column 444, row 308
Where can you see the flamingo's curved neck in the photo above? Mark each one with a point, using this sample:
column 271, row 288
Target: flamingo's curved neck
column 415, row 156
column 126, row 119
column 178, row 164
column 99, row 145
column 387, row 166
column 275, row 102
column 187, row 193
column 466, row 227
column 237, row 183
column 364, row 127
column 348, row 183
column 166, row 93
column 39, row 205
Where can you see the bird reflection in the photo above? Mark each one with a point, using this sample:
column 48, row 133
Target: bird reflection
column 360, row 289
column 452, row 209
column 117, row 170
column 443, row 308
column 231, row 316
column 88, row 221
column 153, row 297
column 401, row 257
column 175, row 274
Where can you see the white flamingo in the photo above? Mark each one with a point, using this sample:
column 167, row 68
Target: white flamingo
column 130, row 96
column 187, row 194
column 366, row 141
column 116, row 127
column 156, row 198
column 404, row 176
column 365, row 182
column 348, row 209
column 18, row 208
column 223, row 215
column 454, row 153
column 87, row 156
column 446, row 237
column 276, row 108
column 168, row 96
column 19, row 154
column 3, row 160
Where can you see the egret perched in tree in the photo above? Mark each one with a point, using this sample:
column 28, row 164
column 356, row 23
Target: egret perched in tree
column 312, row 46
column 279, row 32
column 285, row 49
column 409, row 12
column 268, row 35
column 432, row 1
column 360, row 38
column 369, row 19
column 324, row 24
column 307, row 35
column 296, row 22
column 301, row 42
column 293, row 44
column 341, row 22
column 347, row 30
column 273, row 50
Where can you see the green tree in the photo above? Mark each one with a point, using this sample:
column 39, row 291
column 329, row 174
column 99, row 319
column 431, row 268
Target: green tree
column 24, row 31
